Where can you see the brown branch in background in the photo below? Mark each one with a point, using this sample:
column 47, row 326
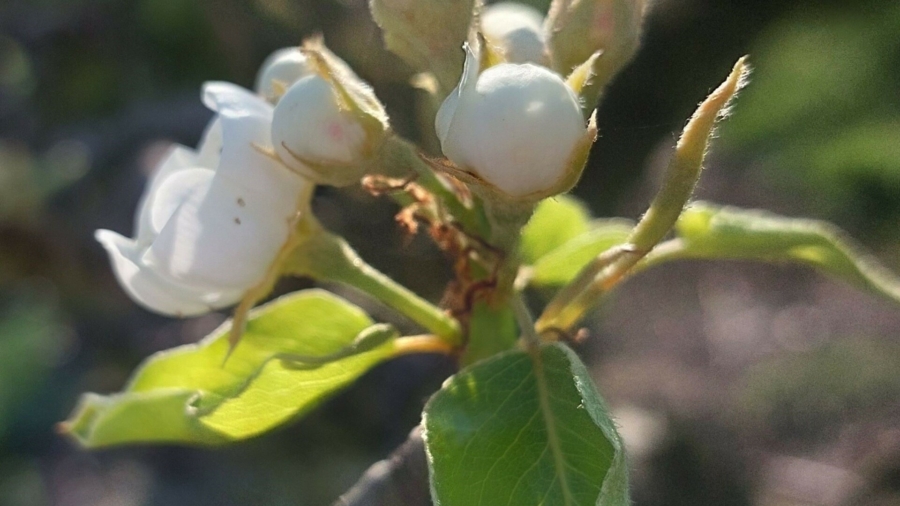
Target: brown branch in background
column 399, row 480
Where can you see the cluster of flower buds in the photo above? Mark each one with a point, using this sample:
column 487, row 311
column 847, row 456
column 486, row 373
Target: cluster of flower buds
column 514, row 126
column 213, row 220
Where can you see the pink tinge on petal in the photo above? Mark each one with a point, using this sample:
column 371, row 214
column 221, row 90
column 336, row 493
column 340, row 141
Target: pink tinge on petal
column 335, row 132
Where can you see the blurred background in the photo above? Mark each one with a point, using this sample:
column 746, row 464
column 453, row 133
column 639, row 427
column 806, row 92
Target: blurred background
column 734, row 384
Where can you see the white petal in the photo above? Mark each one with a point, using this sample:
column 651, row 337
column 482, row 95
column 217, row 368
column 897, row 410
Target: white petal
column 173, row 192
column 152, row 291
column 221, row 238
column 179, row 159
column 244, row 127
column 467, row 82
column 517, row 30
column 309, row 123
column 504, row 17
column 210, row 148
column 246, row 167
column 232, row 100
column 285, row 65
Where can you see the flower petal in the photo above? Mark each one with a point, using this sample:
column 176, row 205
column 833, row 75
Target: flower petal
column 229, row 99
column 179, row 159
column 222, row 237
column 517, row 129
column 173, row 192
column 152, row 291
column 309, row 123
column 517, row 29
column 286, row 66
column 210, row 148
column 247, row 167
column 445, row 115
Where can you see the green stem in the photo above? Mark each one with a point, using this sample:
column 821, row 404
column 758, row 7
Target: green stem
column 525, row 321
column 399, row 157
column 506, row 221
column 327, row 257
column 610, row 268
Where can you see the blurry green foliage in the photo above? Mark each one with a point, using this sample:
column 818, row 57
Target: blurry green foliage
column 16, row 72
column 32, row 338
column 823, row 113
column 707, row 231
column 28, row 181
column 135, row 50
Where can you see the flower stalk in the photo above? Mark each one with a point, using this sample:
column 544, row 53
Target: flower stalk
column 611, row 267
column 328, row 257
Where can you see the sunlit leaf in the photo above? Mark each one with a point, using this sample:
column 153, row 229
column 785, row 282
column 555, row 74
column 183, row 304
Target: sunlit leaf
column 524, row 428
column 555, row 221
column 561, row 265
column 191, row 395
column 706, row 231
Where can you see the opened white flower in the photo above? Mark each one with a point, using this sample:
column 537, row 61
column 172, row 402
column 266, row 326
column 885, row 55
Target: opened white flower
column 279, row 71
column 516, row 30
column 517, row 129
column 213, row 220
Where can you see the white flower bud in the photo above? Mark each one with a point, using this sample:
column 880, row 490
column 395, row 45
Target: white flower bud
column 279, row 71
column 328, row 124
column 309, row 125
column 211, row 221
column 516, row 30
column 514, row 128
column 578, row 29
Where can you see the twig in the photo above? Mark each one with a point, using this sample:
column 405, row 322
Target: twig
column 399, row 480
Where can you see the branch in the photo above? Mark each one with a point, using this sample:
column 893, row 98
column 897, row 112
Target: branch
column 399, row 480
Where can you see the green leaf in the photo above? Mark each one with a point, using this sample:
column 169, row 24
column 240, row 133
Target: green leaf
column 561, row 265
column 706, row 231
column 555, row 221
column 524, row 428
column 191, row 395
